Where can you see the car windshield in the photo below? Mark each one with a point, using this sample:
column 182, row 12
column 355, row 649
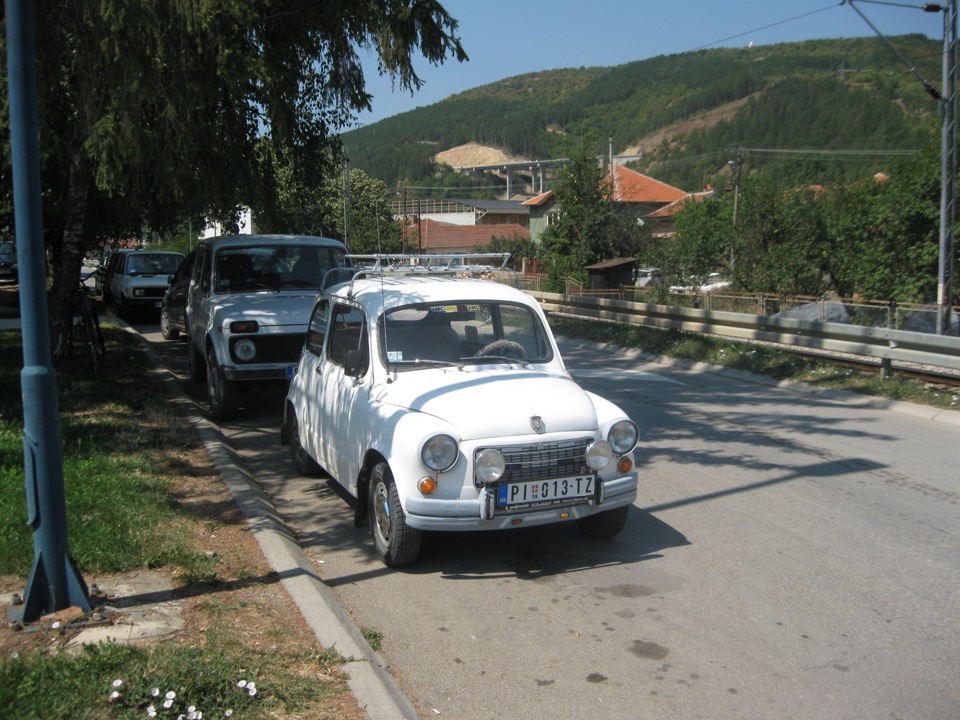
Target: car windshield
column 7, row 248
column 273, row 267
column 471, row 332
column 153, row 264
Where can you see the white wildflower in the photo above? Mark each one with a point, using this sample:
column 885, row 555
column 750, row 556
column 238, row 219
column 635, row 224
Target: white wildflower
column 151, row 711
column 118, row 682
column 114, row 695
column 155, row 692
column 168, row 703
column 170, row 695
column 242, row 683
column 228, row 712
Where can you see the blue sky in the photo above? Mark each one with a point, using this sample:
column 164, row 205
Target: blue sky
column 504, row 38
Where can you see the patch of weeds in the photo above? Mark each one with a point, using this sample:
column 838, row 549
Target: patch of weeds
column 373, row 637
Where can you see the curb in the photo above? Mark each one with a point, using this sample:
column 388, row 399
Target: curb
column 368, row 675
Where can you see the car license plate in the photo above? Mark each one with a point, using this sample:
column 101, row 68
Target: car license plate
column 545, row 492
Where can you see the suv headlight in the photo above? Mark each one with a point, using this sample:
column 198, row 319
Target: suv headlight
column 245, row 350
column 439, row 453
column 623, row 436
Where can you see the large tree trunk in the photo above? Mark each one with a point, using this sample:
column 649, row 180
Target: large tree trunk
column 66, row 264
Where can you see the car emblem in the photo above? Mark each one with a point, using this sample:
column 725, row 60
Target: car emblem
column 536, row 422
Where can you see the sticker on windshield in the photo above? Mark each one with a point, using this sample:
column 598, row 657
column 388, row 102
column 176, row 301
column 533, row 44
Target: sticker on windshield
column 394, row 356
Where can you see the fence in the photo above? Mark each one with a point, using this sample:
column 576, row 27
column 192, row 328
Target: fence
column 883, row 343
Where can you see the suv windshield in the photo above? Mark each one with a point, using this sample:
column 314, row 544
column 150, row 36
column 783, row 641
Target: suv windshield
column 474, row 331
column 273, row 267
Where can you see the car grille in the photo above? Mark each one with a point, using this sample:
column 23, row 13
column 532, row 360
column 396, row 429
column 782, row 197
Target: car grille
column 154, row 292
column 539, row 461
column 274, row 348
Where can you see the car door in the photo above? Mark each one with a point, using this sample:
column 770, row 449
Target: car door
column 311, row 380
column 176, row 299
column 198, row 292
column 345, row 367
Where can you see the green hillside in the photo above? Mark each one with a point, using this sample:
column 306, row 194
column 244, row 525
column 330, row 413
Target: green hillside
column 684, row 113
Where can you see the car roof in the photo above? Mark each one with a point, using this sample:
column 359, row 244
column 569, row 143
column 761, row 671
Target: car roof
column 246, row 240
column 378, row 293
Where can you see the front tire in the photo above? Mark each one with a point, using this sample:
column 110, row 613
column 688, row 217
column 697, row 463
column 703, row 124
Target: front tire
column 167, row 329
column 224, row 394
column 305, row 465
column 396, row 543
column 604, row 524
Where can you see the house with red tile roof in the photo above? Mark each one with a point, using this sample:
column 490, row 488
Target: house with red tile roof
column 661, row 220
column 433, row 237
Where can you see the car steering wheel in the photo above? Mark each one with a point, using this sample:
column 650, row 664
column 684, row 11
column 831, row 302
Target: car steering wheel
column 503, row 348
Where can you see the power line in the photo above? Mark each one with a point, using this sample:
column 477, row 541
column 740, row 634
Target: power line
column 766, row 27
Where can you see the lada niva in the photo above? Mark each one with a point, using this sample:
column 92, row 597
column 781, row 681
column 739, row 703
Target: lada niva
column 442, row 404
column 247, row 306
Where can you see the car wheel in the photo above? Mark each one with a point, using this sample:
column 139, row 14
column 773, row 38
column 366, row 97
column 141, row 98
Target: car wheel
column 198, row 369
column 224, row 395
column 305, row 465
column 396, row 542
column 167, row 329
column 604, row 524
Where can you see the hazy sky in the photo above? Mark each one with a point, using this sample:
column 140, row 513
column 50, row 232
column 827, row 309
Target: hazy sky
column 504, row 38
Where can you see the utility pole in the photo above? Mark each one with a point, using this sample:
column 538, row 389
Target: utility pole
column 55, row 582
column 736, row 204
column 948, row 172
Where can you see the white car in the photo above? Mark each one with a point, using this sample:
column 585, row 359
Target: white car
column 442, row 404
column 246, row 311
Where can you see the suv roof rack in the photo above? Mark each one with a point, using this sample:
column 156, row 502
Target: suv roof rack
column 464, row 265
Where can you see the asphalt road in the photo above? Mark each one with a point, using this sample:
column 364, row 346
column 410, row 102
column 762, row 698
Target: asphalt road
column 789, row 556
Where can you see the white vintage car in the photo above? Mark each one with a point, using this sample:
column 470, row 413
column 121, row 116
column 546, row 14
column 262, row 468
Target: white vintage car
column 442, row 403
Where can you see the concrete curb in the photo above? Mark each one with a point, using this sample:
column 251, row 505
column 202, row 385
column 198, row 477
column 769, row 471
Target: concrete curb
column 368, row 675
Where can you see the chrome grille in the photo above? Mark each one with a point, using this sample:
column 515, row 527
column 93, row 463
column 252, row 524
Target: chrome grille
column 539, row 461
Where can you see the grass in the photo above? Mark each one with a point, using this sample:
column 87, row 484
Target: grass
column 125, row 456
column 757, row 359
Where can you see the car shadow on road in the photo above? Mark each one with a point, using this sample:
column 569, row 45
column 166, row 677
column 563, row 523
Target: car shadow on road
column 539, row 552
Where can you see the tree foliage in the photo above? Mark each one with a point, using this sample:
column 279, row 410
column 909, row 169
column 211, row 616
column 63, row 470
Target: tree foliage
column 155, row 112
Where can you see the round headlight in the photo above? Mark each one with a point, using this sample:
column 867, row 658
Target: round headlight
column 439, row 453
column 623, row 436
column 245, row 350
column 598, row 455
column 489, row 466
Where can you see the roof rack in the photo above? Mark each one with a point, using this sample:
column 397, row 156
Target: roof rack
column 469, row 265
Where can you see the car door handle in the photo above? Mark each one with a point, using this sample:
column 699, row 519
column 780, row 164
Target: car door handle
column 318, row 370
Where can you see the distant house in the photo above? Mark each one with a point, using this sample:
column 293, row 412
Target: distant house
column 611, row 274
column 661, row 220
column 431, row 237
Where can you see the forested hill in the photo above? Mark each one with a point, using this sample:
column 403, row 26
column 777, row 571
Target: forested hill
column 685, row 112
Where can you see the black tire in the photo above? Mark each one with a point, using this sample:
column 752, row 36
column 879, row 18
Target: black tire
column 198, row 367
column 396, row 543
column 224, row 394
column 604, row 524
column 305, row 465
column 167, row 329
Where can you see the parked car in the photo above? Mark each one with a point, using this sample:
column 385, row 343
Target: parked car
column 8, row 261
column 173, row 319
column 442, row 404
column 136, row 280
column 247, row 307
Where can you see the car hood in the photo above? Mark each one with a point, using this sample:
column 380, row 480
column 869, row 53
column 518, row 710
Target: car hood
column 269, row 309
column 495, row 403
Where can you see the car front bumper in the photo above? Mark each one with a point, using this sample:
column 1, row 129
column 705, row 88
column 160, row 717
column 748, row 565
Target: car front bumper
column 480, row 514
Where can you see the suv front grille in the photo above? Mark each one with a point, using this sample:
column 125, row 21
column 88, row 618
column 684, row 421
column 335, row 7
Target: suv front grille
column 540, row 461
column 273, row 348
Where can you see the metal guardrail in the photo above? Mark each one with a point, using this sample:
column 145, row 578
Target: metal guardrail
column 884, row 344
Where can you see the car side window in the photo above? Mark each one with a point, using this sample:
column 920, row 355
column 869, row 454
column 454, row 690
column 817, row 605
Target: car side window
column 201, row 274
column 317, row 329
column 348, row 331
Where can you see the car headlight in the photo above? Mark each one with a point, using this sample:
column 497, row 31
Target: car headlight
column 138, row 292
column 489, row 466
column 598, row 455
column 245, row 350
column 623, row 436
column 439, row 453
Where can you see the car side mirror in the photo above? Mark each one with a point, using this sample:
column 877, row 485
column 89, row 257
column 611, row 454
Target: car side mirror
column 351, row 365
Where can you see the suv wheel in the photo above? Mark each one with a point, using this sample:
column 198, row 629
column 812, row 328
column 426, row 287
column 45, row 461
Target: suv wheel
column 167, row 329
column 604, row 524
column 396, row 542
column 302, row 461
column 224, row 394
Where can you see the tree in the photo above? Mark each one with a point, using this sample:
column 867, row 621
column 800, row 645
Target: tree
column 153, row 113
column 588, row 228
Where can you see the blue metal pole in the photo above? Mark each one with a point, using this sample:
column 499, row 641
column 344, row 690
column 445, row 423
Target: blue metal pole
column 54, row 582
